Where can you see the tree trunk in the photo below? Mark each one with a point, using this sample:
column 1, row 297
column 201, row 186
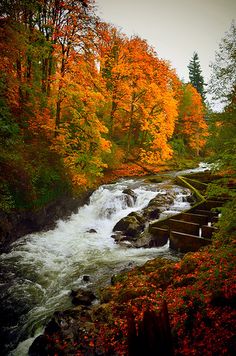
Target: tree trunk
column 154, row 335
column 130, row 128
column 113, row 110
column 19, row 77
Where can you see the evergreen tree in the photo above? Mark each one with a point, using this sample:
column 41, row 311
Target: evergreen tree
column 222, row 84
column 195, row 75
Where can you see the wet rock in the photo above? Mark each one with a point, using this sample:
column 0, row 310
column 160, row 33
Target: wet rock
column 70, row 326
column 130, row 226
column 82, row 297
column 92, row 231
column 86, row 278
column 39, row 346
column 143, row 240
column 152, row 213
column 139, row 216
column 105, row 296
column 118, row 236
column 161, row 200
column 126, row 244
column 52, row 327
column 15, row 224
column 190, row 199
column 131, row 193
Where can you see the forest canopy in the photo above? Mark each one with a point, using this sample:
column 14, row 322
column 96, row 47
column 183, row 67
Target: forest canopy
column 87, row 97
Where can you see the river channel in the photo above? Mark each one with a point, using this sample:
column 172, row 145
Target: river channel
column 38, row 274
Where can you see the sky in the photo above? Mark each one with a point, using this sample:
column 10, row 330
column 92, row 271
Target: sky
column 175, row 28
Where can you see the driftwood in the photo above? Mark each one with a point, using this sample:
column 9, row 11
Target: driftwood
column 153, row 335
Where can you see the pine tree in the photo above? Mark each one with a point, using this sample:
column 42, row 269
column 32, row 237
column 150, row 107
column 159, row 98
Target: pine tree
column 195, row 75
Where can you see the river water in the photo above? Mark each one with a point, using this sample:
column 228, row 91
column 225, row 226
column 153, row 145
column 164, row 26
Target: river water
column 39, row 273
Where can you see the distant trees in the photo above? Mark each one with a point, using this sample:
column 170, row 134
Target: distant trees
column 223, row 87
column 223, row 126
column 223, row 79
column 195, row 75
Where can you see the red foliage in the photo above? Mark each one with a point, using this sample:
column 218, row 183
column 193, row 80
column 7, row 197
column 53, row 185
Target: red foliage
column 200, row 293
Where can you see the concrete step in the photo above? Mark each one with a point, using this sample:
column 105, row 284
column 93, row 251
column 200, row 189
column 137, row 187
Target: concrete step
column 194, row 218
column 187, row 243
column 159, row 237
column 185, row 227
column 207, row 231
column 210, row 204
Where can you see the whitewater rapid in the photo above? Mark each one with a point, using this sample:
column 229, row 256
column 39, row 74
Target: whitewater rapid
column 37, row 276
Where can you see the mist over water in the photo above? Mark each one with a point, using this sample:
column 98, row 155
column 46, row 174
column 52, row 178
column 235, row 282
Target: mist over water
column 39, row 273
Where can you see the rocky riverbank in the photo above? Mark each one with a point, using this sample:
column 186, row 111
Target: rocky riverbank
column 199, row 292
column 15, row 224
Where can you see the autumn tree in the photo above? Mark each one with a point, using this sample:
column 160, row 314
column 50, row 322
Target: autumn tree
column 111, row 45
column 141, row 89
column 65, row 25
column 80, row 139
column 191, row 127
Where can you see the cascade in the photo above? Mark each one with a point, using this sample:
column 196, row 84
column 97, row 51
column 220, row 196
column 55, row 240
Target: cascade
column 41, row 269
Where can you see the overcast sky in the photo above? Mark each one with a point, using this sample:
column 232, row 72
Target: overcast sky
column 175, row 28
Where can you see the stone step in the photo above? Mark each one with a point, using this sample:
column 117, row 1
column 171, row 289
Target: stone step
column 187, row 243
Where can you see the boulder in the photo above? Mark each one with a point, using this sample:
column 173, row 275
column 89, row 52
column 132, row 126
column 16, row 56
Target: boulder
column 143, row 240
column 71, row 325
column 130, row 226
column 161, row 200
column 39, row 346
column 139, row 216
column 131, row 193
column 91, row 231
column 82, row 297
column 152, row 213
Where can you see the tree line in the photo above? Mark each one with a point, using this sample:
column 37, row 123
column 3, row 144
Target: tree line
column 87, row 95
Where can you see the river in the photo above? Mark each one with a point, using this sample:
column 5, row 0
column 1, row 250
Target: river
column 41, row 269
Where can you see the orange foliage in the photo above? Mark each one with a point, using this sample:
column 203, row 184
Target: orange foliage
column 86, row 89
column 192, row 123
column 79, row 139
column 142, row 91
